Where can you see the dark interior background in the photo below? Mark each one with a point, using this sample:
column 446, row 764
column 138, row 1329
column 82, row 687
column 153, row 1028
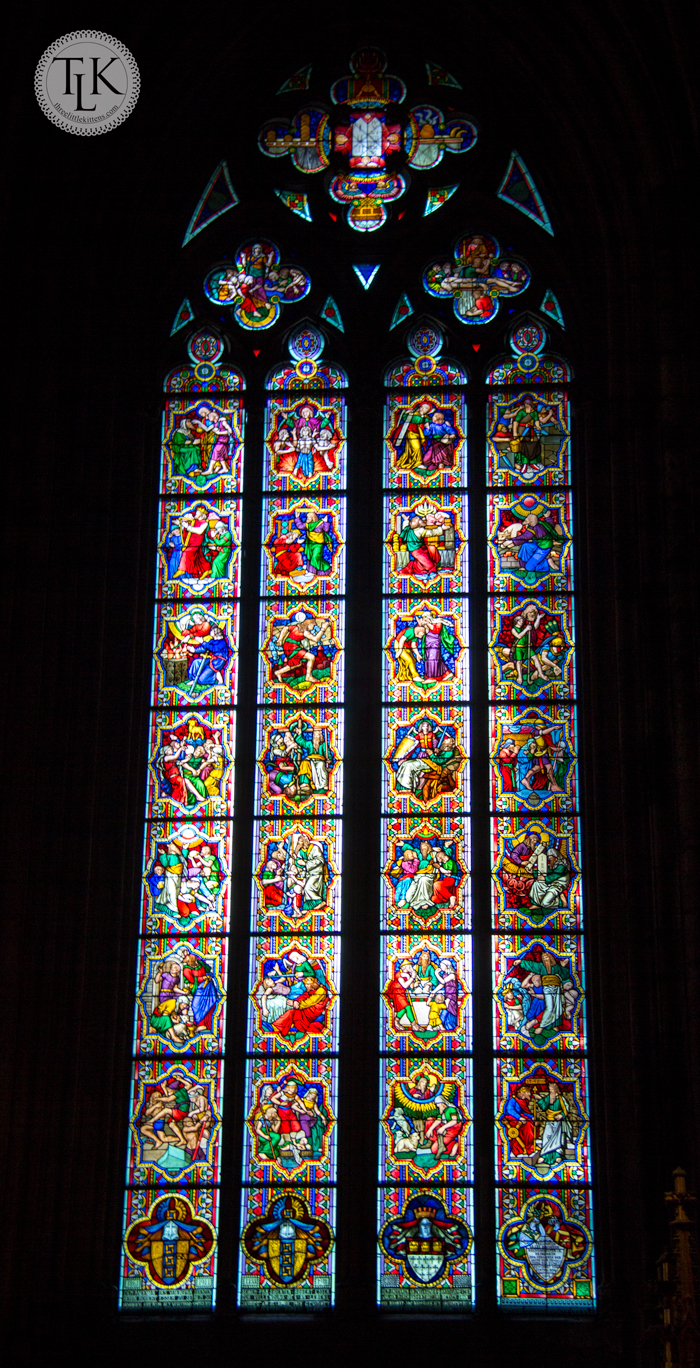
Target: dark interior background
column 598, row 98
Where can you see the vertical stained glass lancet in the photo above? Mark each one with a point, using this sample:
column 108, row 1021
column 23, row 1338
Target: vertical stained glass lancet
column 169, row 1255
column 289, row 1164
column 543, row 1172
column 425, row 1194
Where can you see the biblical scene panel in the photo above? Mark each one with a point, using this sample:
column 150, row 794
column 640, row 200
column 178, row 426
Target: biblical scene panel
column 531, row 647
column 191, row 763
column 303, row 545
column 426, row 649
column 202, row 445
column 175, row 1122
column 180, row 1000
column 199, row 549
column 477, row 278
column 424, row 441
column 287, row 1248
column 541, row 1120
column 169, row 1251
column 426, row 866
column 195, row 654
column 538, row 992
column 299, row 761
column 426, row 543
column 426, row 1120
column 530, row 542
column 294, row 994
column 186, row 877
column 290, row 1119
column 301, row 652
column 426, row 992
column 533, row 758
column 296, row 868
column 536, row 873
column 425, row 759
column 528, row 438
column 426, row 1248
column 545, row 1248
column 305, row 440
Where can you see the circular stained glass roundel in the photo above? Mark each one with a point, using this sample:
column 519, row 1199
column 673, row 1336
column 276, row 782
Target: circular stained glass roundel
column 425, row 341
column 205, row 346
column 527, row 363
column 306, row 344
column 529, row 338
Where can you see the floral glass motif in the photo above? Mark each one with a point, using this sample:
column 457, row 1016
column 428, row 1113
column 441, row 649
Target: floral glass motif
column 545, row 1252
column 169, row 1250
column 295, row 941
column 257, row 285
column 476, row 278
column 369, row 133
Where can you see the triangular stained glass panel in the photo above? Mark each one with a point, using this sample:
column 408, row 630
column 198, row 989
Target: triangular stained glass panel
column 184, row 315
column 551, row 308
column 331, row 313
column 219, row 196
column 296, row 201
column 519, row 189
column 299, row 81
column 438, row 76
column 365, row 275
column 403, row 310
column 438, row 196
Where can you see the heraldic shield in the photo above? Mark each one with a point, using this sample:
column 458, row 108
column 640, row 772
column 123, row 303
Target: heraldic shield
column 545, row 1242
column 287, row 1239
column 424, row 1238
column 169, row 1241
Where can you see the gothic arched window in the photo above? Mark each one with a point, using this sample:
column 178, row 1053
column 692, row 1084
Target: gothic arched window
column 369, row 639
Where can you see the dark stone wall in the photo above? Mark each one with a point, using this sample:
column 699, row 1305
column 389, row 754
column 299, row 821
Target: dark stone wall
column 598, row 98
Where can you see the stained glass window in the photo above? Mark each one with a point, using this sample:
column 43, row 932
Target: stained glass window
column 171, row 1207
column 289, row 1163
column 478, row 764
column 543, row 1171
column 425, row 1147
